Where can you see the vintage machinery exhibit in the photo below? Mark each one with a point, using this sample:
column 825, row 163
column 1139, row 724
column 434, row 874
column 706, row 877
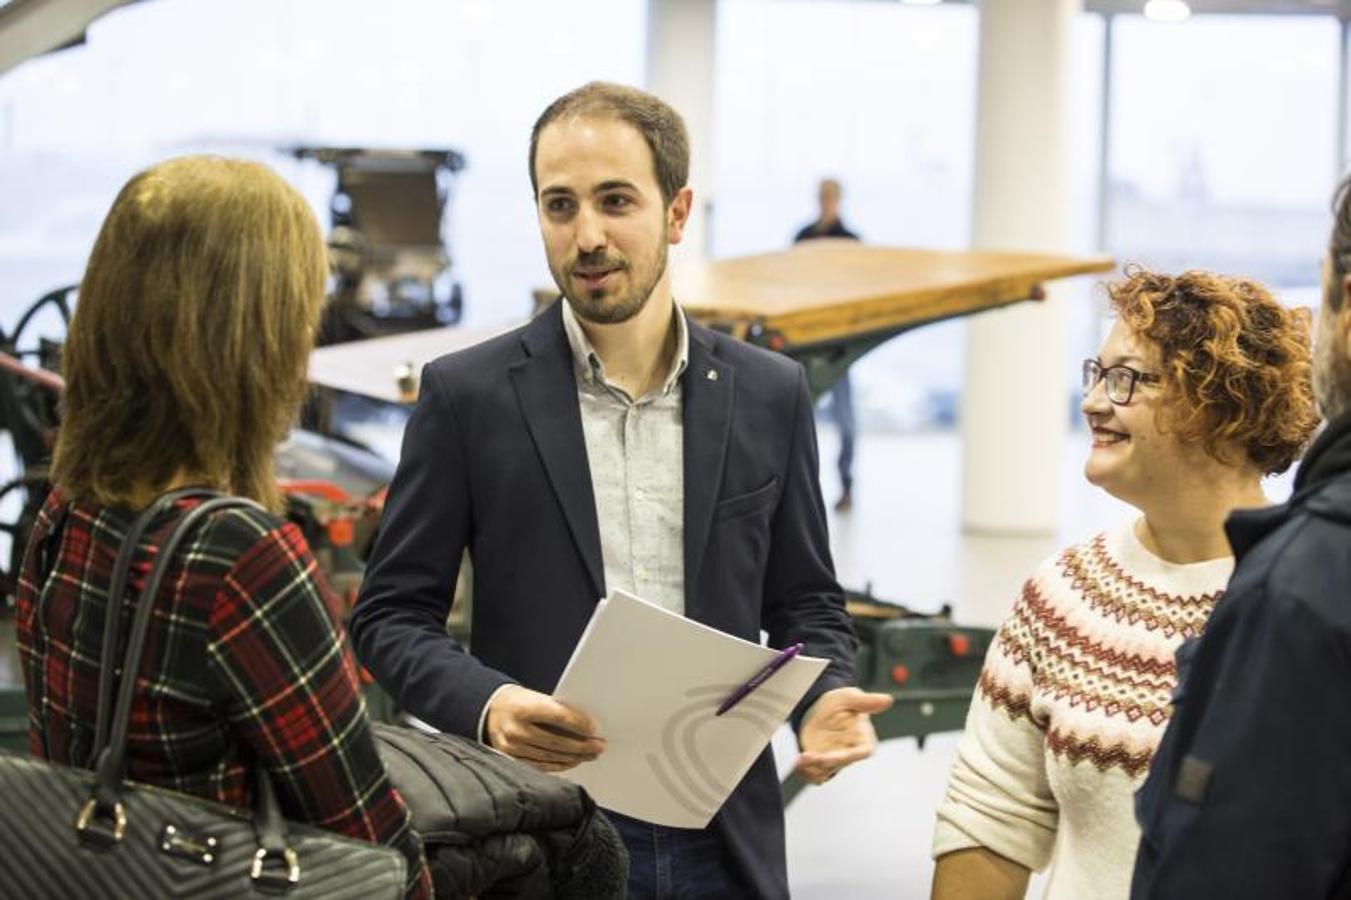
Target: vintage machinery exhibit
column 387, row 241
column 391, row 274
column 334, row 492
column 925, row 661
column 826, row 305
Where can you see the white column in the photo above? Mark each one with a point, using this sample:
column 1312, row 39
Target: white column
column 1014, row 414
column 680, row 48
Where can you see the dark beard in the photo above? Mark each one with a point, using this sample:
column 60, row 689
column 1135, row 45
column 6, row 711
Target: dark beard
column 591, row 305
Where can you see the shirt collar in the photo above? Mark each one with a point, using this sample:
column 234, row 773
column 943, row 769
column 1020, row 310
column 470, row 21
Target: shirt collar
column 587, row 363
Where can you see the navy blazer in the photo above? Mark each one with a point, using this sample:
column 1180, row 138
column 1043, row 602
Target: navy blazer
column 494, row 459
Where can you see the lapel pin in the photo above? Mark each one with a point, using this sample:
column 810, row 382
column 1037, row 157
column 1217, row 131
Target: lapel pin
column 712, row 374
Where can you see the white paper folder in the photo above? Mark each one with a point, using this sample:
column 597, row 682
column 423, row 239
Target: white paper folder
column 653, row 680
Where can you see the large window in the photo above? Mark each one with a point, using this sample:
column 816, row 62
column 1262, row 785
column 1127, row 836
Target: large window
column 249, row 77
column 1223, row 144
column 883, row 97
column 1222, row 134
column 880, row 96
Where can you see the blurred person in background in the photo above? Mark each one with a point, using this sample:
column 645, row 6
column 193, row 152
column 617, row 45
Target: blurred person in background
column 829, row 225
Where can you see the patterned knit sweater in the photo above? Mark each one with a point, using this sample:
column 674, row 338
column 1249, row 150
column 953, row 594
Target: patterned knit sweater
column 1071, row 703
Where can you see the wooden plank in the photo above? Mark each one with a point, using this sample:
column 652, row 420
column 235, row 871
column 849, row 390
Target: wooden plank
column 817, row 291
column 826, row 290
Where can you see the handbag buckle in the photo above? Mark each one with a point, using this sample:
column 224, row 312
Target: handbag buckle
column 101, row 836
column 177, row 842
column 276, row 880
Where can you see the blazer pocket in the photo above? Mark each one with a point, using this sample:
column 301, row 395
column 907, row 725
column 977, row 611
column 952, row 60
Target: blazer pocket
column 758, row 500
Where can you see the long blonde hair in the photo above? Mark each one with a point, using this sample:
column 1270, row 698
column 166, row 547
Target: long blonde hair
column 186, row 357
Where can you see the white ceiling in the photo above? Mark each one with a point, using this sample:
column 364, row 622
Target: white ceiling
column 1233, row 6
column 1229, row 7
column 29, row 27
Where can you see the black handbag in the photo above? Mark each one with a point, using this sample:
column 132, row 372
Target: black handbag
column 71, row 833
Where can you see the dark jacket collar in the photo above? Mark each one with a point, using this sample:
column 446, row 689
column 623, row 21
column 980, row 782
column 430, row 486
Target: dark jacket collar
column 546, row 386
column 1328, row 457
column 544, row 334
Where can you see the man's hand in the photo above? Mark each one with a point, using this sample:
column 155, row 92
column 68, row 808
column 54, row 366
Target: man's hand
column 537, row 729
column 838, row 731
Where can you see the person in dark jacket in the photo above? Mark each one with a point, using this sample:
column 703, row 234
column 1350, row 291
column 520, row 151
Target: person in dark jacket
column 609, row 444
column 1249, row 795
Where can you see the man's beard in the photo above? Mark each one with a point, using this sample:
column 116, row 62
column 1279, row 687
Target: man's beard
column 593, row 307
column 1331, row 368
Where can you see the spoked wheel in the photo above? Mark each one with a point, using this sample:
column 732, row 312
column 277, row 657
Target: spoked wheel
column 29, row 390
column 34, row 488
column 29, row 383
column 60, row 300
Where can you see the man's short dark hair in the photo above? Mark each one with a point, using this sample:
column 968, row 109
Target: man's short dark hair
column 1339, row 246
column 659, row 124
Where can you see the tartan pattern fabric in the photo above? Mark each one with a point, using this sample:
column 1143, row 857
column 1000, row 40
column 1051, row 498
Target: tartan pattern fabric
column 244, row 663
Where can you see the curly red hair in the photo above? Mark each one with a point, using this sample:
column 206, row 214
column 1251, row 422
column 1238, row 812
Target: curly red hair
column 1236, row 363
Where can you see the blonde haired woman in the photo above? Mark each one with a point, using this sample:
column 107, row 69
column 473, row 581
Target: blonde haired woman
column 184, row 366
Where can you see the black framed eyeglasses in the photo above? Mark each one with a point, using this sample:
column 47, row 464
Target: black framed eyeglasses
column 1121, row 380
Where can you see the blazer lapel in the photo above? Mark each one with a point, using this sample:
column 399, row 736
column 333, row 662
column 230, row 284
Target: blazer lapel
column 708, row 389
column 546, row 388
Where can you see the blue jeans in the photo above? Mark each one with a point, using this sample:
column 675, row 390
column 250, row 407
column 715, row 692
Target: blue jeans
column 842, row 411
column 677, row 863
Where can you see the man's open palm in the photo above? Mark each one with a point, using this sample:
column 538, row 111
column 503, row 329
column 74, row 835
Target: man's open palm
column 838, row 731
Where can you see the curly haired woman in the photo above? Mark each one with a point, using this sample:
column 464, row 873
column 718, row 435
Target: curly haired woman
column 1201, row 388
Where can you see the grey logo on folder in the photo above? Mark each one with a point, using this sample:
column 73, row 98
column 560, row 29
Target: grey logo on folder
column 679, row 767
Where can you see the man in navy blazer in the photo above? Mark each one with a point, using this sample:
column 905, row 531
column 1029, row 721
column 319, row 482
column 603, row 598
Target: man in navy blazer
column 550, row 454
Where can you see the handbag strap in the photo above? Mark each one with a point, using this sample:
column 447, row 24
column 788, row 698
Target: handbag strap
column 268, row 822
column 269, row 828
column 112, row 758
column 112, row 621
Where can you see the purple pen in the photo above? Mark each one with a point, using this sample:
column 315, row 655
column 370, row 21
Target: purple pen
column 760, row 677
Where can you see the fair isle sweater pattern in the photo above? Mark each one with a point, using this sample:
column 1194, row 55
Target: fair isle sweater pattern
column 1080, row 668
column 1070, row 706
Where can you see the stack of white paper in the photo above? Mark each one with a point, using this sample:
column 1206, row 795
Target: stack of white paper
column 653, row 680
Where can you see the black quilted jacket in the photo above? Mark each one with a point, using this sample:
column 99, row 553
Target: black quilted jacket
column 496, row 828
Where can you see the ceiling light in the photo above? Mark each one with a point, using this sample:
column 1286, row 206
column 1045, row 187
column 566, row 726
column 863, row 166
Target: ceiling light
column 1167, row 10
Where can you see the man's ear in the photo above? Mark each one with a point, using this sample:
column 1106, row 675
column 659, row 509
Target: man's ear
column 678, row 214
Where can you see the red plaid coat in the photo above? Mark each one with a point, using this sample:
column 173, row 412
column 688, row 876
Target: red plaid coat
column 244, row 663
